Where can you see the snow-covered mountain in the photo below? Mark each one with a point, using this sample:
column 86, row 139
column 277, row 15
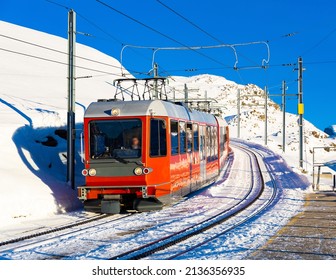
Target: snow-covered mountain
column 252, row 120
column 33, row 105
column 331, row 130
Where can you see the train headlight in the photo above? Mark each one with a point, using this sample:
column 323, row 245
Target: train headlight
column 92, row 172
column 115, row 111
column 85, row 172
column 137, row 171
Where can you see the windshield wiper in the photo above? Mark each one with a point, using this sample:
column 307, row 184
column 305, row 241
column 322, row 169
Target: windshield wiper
column 123, row 160
column 138, row 162
column 120, row 159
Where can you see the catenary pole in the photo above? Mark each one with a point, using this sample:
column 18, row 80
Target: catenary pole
column 186, row 97
column 71, row 99
column 238, row 113
column 284, row 116
column 300, row 110
column 155, row 81
column 266, row 121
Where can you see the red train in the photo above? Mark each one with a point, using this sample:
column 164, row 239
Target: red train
column 141, row 154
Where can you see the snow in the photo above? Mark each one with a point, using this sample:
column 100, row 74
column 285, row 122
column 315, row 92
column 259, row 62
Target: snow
column 33, row 105
column 331, row 130
column 108, row 238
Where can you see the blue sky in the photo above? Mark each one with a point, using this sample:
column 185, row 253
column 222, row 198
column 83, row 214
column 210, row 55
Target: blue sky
column 291, row 28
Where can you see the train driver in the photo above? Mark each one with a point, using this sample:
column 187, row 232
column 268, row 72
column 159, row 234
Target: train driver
column 135, row 143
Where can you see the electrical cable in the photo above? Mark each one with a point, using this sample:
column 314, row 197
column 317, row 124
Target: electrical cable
column 326, row 37
column 202, row 30
column 58, row 62
column 157, row 31
column 58, row 51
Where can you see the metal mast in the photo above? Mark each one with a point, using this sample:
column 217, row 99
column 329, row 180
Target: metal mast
column 284, row 116
column 71, row 99
column 238, row 113
column 156, row 74
column 266, row 116
column 300, row 110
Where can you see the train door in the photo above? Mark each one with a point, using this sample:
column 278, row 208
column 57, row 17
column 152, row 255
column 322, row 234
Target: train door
column 175, row 172
column 202, row 154
column 195, row 157
column 189, row 147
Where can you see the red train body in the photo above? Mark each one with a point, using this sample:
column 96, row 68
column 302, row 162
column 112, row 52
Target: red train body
column 142, row 154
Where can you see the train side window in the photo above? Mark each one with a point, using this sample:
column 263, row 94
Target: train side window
column 208, row 143
column 182, row 128
column 158, row 139
column 202, row 132
column 189, row 138
column 174, row 140
column 215, row 142
column 195, row 132
column 221, row 142
column 212, row 145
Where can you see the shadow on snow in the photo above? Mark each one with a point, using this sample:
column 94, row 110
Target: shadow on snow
column 44, row 152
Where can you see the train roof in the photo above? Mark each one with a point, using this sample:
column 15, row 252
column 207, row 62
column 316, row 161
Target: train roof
column 163, row 108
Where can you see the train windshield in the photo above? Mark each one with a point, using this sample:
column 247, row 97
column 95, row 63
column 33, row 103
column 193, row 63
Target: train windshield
column 115, row 139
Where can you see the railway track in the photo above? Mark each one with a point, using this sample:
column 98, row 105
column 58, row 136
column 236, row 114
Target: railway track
column 255, row 191
column 100, row 236
column 52, row 230
column 245, row 219
column 45, row 235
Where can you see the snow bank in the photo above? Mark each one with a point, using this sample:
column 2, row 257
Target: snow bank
column 33, row 104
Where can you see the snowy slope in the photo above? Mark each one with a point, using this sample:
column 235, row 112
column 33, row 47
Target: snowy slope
column 33, row 103
column 331, row 130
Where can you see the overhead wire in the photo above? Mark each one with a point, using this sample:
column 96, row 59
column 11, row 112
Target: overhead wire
column 154, row 30
column 326, row 37
column 120, row 42
column 59, row 51
column 100, row 29
column 157, row 31
column 201, row 29
column 229, row 67
column 189, row 21
column 58, row 62
column 156, row 49
column 58, row 4
column 196, row 26
column 86, row 19
column 233, row 46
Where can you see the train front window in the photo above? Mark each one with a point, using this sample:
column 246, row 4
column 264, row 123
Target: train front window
column 115, row 139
